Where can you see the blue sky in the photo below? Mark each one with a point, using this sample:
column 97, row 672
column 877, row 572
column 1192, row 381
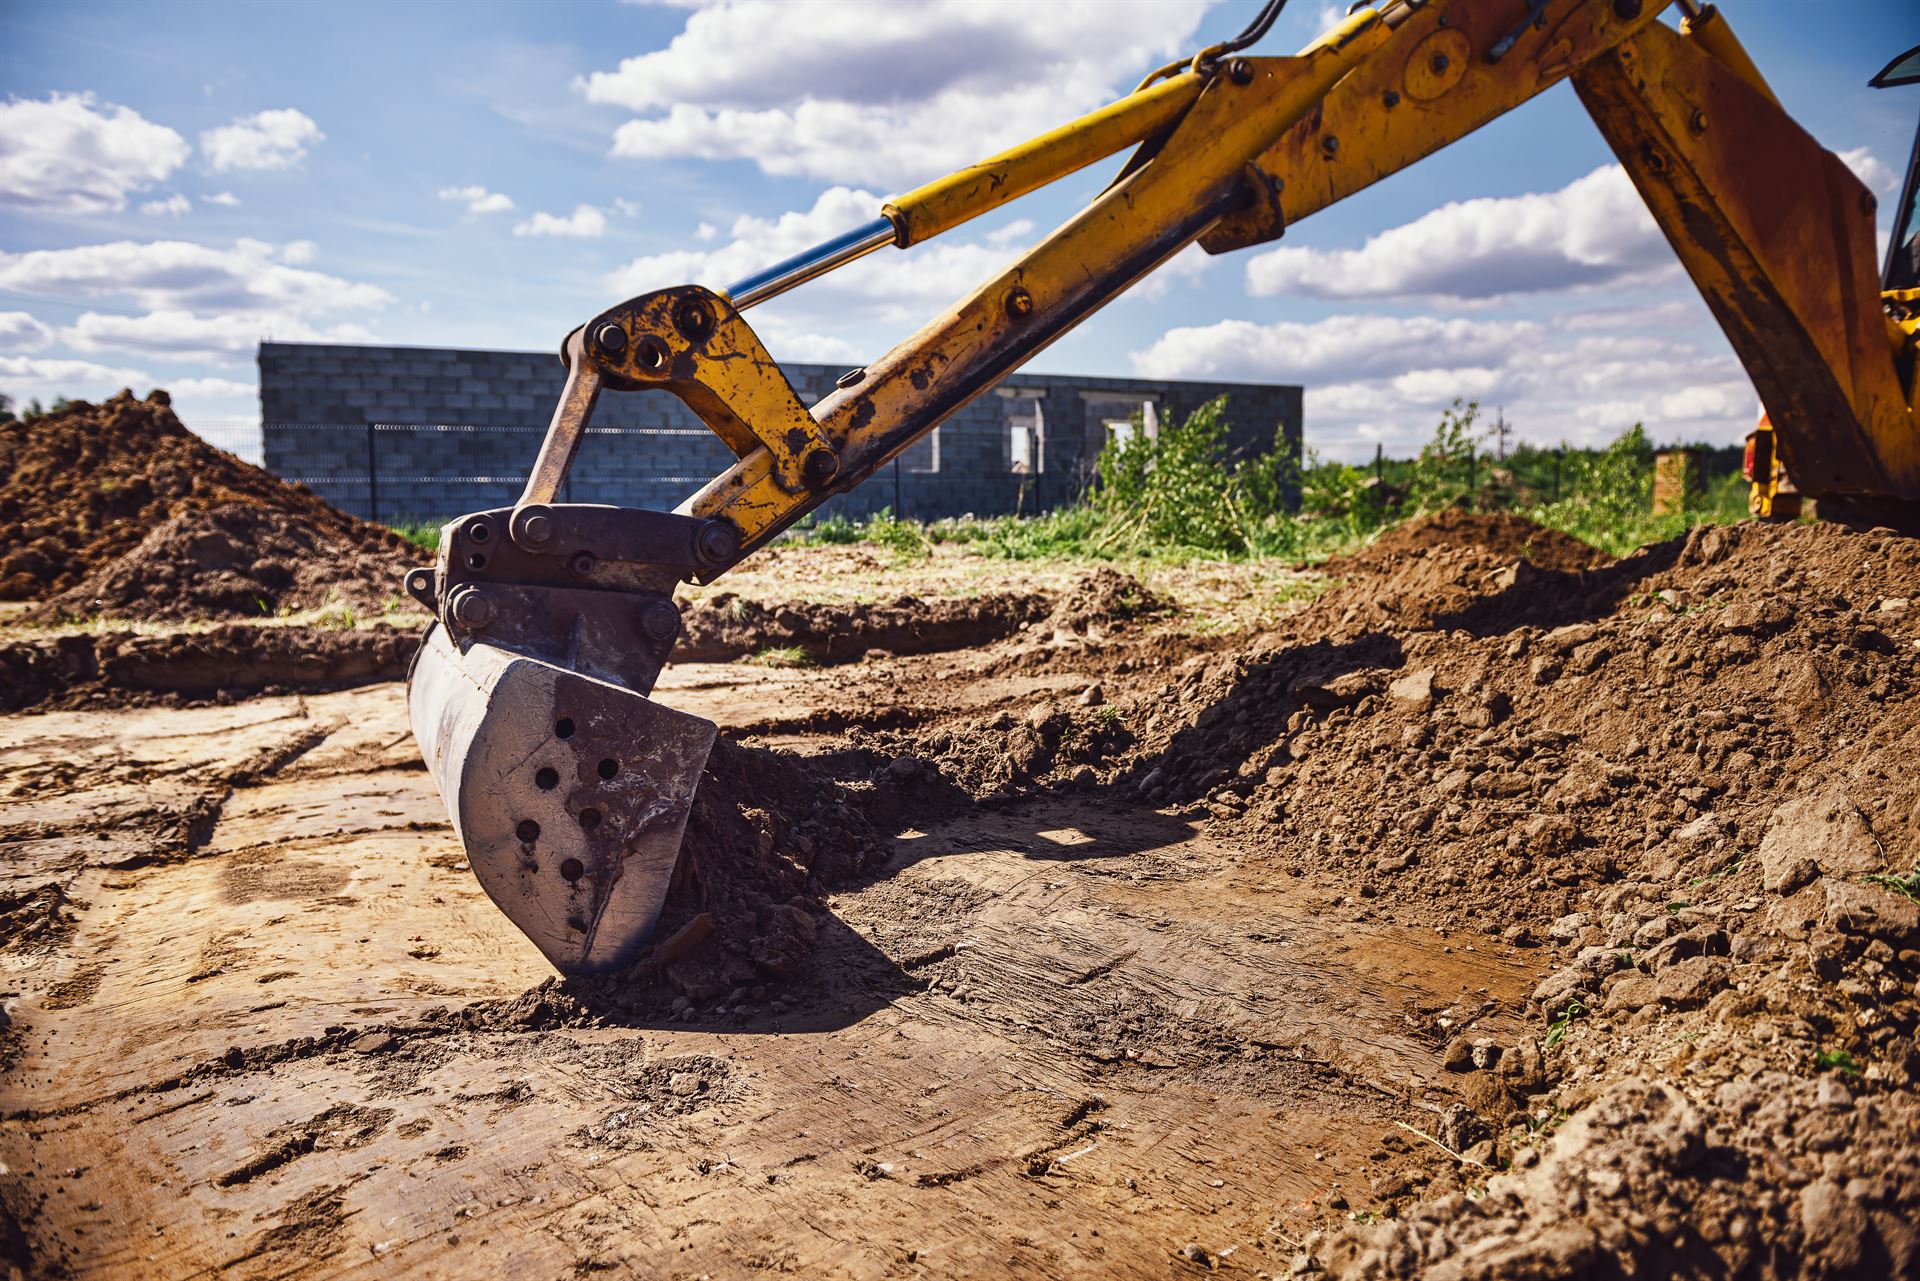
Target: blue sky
column 179, row 180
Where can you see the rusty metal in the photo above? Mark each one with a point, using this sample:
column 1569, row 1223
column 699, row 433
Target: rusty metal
column 1789, row 269
column 1429, row 86
column 569, row 424
column 569, row 794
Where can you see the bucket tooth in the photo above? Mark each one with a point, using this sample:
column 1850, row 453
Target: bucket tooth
column 569, row 793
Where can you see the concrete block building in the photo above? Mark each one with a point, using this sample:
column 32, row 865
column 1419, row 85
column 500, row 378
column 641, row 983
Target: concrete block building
column 424, row 434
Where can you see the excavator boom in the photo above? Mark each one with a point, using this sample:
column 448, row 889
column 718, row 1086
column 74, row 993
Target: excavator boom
column 571, row 788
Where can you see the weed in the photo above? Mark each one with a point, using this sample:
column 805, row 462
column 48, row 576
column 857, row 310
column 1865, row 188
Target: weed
column 420, row 533
column 1837, row 1061
column 1908, row 885
column 1729, row 870
column 906, row 539
column 1558, row 1027
column 784, row 656
column 1108, row 715
column 340, row 617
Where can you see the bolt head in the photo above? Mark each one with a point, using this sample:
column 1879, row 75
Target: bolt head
column 537, row 529
column 717, row 542
column 693, row 320
column 1240, row 71
column 582, row 564
column 1329, row 144
column 660, row 620
column 610, row 340
column 1440, row 62
column 472, row 608
column 1019, row 302
column 819, row 466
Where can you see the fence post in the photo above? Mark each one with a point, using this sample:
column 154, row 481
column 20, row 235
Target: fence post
column 373, row 477
column 899, row 509
column 1473, row 459
column 1379, row 461
column 1558, row 454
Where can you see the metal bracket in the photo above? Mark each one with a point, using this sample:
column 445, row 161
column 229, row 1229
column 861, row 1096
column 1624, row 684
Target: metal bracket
column 586, row 587
column 692, row 342
column 1257, row 220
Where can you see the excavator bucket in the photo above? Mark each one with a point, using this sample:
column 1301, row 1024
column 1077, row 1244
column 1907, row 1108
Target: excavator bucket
column 569, row 793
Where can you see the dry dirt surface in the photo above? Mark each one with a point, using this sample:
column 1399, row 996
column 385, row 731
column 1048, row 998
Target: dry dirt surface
column 1505, row 911
column 118, row 509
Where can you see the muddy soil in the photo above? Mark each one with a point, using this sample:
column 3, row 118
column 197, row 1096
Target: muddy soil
column 1504, row 911
column 223, row 663
column 85, row 487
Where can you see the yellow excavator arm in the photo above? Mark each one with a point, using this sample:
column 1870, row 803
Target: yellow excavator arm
column 570, row 788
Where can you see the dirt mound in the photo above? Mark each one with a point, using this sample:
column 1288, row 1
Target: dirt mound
column 235, row 561
column 115, row 669
column 1501, row 535
column 725, row 626
column 85, row 486
column 1683, row 772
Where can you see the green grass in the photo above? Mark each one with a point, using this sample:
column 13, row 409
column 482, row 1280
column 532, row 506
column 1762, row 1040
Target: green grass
column 784, row 656
column 1908, row 885
column 1562, row 1023
column 1837, row 1061
column 1179, row 497
column 422, row 534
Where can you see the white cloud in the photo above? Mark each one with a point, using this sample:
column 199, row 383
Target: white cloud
column 705, row 231
column 585, row 222
column 21, row 332
column 478, row 200
column 265, row 140
column 1595, row 230
column 1012, row 234
column 298, row 251
column 1869, row 169
column 197, row 301
column 25, row 378
column 173, row 206
column 882, row 93
column 226, row 198
column 175, row 274
column 631, row 208
column 1386, row 379
column 65, row 155
column 181, row 334
column 225, row 387
column 1338, row 349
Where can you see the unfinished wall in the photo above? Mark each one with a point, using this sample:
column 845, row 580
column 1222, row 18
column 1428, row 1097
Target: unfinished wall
column 449, row 431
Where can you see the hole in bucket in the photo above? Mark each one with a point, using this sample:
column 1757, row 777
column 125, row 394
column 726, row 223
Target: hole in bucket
column 589, row 819
column 546, row 778
column 609, row 767
column 563, row 728
column 528, row 831
column 573, row 869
